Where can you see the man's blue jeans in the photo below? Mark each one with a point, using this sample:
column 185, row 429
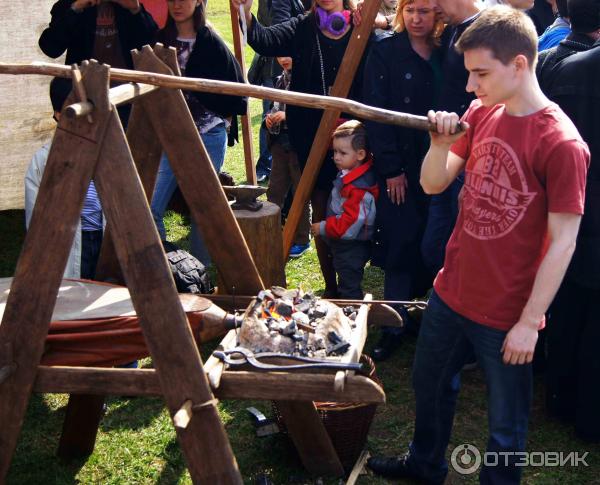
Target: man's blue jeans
column 215, row 141
column 443, row 211
column 445, row 342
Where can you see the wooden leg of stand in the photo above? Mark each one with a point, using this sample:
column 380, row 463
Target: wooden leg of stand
column 80, row 427
column 310, row 438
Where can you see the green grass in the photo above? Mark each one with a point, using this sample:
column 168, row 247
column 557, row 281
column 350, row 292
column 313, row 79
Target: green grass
column 137, row 443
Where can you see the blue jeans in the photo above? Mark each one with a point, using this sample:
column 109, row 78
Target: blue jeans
column 215, row 141
column 263, row 165
column 443, row 211
column 445, row 341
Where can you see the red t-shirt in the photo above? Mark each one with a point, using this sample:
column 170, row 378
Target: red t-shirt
column 518, row 169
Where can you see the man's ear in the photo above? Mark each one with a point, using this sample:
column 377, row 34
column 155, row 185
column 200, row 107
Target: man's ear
column 521, row 63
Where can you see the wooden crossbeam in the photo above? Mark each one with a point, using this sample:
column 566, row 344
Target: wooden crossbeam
column 233, row 385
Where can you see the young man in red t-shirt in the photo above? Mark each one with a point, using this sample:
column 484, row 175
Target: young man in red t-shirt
column 525, row 169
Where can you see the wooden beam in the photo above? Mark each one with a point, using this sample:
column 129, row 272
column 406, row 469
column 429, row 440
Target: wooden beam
column 234, row 384
column 162, row 319
column 73, row 156
column 310, row 437
column 245, row 119
column 199, row 182
column 122, row 94
column 341, row 104
column 340, row 88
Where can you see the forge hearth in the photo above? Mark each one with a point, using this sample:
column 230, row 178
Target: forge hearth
column 296, row 323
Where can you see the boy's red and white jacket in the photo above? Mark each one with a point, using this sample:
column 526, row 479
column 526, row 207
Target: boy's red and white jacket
column 351, row 205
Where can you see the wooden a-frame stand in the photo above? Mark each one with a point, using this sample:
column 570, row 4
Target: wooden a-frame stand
column 95, row 147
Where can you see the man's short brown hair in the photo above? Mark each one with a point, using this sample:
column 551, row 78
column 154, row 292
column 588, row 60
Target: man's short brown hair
column 357, row 131
column 505, row 31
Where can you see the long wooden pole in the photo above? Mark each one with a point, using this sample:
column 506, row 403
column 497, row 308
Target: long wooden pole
column 359, row 110
column 245, row 119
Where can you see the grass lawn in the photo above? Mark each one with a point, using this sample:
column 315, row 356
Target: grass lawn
column 137, row 444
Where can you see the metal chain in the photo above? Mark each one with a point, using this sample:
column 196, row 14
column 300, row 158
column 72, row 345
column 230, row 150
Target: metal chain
column 322, row 65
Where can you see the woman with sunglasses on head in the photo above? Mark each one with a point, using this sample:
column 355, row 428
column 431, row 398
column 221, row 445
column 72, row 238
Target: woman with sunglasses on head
column 316, row 42
column 402, row 73
column 201, row 53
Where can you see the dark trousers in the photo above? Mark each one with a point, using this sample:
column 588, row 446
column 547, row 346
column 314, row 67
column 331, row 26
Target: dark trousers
column 443, row 211
column 285, row 174
column 573, row 362
column 91, row 242
column 349, row 260
column 446, row 339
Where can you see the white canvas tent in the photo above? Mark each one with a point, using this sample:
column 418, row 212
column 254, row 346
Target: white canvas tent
column 25, row 112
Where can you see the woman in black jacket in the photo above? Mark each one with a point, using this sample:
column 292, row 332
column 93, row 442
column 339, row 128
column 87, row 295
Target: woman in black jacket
column 316, row 42
column 75, row 27
column 402, row 73
column 200, row 53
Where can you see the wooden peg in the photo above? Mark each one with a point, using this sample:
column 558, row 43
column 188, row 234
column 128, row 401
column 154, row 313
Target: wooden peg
column 79, row 87
column 184, row 415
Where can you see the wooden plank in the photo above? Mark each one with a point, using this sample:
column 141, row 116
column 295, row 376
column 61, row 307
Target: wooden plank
column 71, row 161
column 163, row 322
column 80, row 426
column 310, row 437
column 234, row 384
column 358, row 468
column 357, row 343
column 244, row 119
column 214, row 367
column 340, row 88
column 199, row 182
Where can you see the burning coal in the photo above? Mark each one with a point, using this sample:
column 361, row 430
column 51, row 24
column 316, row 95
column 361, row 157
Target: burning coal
column 296, row 323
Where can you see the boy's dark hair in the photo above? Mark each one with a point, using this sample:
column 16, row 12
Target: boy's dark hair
column 505, row 31
column 584, row 15
column 60, row 88
column 357, row 131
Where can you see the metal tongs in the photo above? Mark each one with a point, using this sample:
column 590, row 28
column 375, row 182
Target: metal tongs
column 248, row 357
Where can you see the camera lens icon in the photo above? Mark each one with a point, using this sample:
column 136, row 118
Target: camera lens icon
column 465, row 459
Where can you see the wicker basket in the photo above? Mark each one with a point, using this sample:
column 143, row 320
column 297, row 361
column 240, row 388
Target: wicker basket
column 347, row 424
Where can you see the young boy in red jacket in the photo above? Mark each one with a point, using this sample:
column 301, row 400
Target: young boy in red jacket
column 350, row 220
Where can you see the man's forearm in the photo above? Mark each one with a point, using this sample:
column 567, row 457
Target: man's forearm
column 548, row 279
column 434, row 170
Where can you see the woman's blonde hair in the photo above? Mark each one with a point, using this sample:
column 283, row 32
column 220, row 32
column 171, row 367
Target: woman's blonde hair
column 398, row 23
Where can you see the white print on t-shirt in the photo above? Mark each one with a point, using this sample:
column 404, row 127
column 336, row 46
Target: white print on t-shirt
column 495, row 195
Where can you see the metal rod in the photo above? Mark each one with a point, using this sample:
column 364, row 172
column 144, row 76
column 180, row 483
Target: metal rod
column 225, row 87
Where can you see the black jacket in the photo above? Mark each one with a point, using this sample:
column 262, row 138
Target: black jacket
column 282, row 10
column 397, row 78
column 551, row 57
column 575, row 87
column 296, row 38
column 75, row 32
column 212, row 59
column 454, row 97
